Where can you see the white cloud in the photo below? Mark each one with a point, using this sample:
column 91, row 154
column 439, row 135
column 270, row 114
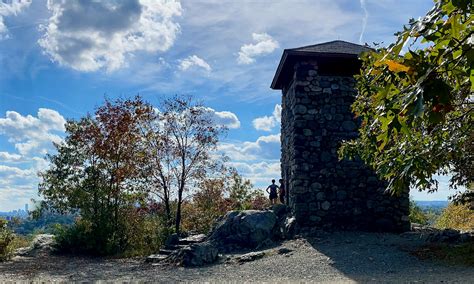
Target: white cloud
column 260, row 173
column 17, row 186
column 225, row 118
column 264, row 148
column 9, row 158
column 277, row 112
column 13, row 197
column 32, row 135
column 267, row 123
column 194, row 61
column 257, row 160
column 264, row 44
column 9, row 175
column 90, row 35
column 10, row 8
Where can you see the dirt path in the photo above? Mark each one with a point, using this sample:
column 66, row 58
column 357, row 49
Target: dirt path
column 337, row 257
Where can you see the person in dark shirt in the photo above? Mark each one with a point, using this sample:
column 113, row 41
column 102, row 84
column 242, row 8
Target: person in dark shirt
column 272, row 190
column 282, row 192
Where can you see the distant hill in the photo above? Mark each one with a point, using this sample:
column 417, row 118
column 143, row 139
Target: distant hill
column 438, row 204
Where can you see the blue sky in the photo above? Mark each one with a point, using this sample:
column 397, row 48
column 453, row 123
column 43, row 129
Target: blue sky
column 58, row 59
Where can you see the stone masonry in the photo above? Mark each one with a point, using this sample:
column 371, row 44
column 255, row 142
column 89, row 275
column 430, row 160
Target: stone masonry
column 324, row 191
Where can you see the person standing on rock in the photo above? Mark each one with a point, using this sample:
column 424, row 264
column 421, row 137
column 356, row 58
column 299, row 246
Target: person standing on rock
column 282, row 192
column 272, row 190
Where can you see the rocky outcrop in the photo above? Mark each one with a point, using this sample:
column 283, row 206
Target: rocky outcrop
column 197, row 254
column 42, row 244
column 248, row 229
column 244, row 229
column 193, row 250
column 450, row 236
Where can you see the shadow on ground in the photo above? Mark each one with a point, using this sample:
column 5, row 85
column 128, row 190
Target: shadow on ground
column 383, row 257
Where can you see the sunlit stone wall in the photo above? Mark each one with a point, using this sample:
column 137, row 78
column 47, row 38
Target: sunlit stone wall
column 323, row 191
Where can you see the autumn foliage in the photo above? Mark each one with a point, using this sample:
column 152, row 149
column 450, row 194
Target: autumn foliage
column 132, row 172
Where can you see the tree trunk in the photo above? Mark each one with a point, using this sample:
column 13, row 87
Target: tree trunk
column 168, row 211
column 178, row 212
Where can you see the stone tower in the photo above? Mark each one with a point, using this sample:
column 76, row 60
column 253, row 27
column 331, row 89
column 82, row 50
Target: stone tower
column 318, row 89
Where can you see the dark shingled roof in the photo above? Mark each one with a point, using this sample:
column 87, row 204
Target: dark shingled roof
column 336, row 46
column 331, row 49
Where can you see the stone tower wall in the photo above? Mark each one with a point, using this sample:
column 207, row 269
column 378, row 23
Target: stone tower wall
column 323, row 191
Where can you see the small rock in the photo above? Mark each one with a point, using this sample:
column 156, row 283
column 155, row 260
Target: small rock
column 155, row 258
column 284, row 250
column 198, row 254
column 193, row 239
column 316, row 185
column 301, row 109
column 326, row 205
column 251, row 256
column 290, row 227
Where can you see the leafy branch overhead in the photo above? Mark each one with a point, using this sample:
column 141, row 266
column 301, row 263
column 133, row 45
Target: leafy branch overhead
column 416, row 107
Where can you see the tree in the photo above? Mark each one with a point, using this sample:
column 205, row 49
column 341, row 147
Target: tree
column 417, row 215
column 242, row 195
column 206, row 206
column 416, row 108
column 240, row 191
column 218, row 195
column 97, row 171
column 181, row 148
column 456, row 216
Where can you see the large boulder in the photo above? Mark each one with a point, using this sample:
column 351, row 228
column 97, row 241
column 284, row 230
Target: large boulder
column 244, row 229
column 42, row 244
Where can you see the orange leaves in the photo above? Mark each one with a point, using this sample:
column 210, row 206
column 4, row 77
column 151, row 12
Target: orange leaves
column 393, row 66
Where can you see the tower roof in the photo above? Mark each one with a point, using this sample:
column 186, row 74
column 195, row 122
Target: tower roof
column 332, row 49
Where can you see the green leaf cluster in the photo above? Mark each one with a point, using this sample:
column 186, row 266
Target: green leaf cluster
column 416, row 107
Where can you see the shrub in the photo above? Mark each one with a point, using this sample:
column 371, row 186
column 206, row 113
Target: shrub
column 6, row 239
column 145, row 233
column 206, row 207
column 258, row 200
column 140, row 233
column 210, row 202
column 417, row 215
column 458, row 217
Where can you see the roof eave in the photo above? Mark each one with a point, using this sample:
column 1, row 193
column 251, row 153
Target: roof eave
column 277, row 73
column 276, row 84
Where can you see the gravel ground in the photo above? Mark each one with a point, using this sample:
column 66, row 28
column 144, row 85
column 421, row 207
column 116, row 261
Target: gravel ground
column 336, row 257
